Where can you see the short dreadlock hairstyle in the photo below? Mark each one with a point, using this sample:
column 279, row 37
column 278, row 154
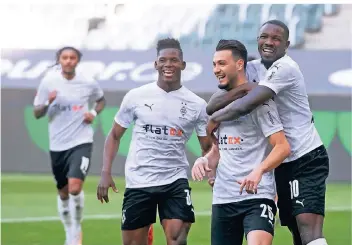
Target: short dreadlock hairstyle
column 237, row 48
column 169, row 43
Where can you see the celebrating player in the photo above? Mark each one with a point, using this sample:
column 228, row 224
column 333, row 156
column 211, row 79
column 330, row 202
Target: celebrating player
column 164, row 113
column 65, row 97
column 300, row 181
column 244, row 163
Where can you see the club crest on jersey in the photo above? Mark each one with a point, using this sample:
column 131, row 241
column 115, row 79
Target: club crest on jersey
column 183, row 109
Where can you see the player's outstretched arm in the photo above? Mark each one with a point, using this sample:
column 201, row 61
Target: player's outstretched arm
column 242, row 106
column 110, row 149
column 222, row 98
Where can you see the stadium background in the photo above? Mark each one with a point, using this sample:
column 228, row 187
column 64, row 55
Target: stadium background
column 118, row 45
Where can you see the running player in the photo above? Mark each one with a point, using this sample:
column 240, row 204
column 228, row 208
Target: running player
column 246, row 161
column 164, row 113
column 65, row 96
column 301, row 179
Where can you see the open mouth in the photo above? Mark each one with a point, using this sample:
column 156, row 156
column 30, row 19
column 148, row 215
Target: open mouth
column 168, row 73
column 221, row 78
column 268, row 51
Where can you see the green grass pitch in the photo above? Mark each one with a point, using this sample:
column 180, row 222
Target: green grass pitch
column 29, row 215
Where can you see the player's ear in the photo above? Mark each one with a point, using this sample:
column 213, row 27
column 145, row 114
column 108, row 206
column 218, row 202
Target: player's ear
column 155, row 65
column 239, row 64
column 183, row 65
column 288, row 44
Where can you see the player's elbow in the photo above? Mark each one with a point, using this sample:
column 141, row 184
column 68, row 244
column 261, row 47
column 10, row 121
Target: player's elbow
column 210, row 110
column 286, row 148
column 113, row 135
column 212, row 107
column 37, row 114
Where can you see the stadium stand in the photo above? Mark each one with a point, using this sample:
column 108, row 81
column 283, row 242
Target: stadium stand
column 125, row 27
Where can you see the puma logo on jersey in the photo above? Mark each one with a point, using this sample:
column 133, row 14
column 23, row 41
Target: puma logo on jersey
column 149, row 106
column 300, row 202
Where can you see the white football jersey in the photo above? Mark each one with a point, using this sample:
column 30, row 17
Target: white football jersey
column 243, row 145
column 163, row 123
column 66, row 113
column 286, row 79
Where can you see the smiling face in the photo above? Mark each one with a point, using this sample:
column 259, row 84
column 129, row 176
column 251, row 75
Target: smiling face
column 169, row 65
column 226, row 68
column 272, row 42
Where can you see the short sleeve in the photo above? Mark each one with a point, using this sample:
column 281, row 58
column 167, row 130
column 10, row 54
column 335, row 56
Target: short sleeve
column 278, row 78
column 251, row 72
column 97, row 92
column 267, row 118
column 125, row 115
column 202, row 121
column 42, row 94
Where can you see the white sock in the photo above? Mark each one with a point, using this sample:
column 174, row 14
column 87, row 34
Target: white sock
column 76, row 209
column 320, row 241
column 64, row 213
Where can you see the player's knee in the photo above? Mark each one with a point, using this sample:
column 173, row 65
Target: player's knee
column 310, row 227
column 177, row 234
column 75, row 190
column 177, row 240
column 259, row 237
column 63, row 193
column 75, row 186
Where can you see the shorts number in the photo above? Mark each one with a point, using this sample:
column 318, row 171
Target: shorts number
column 269, row 209
column 188, row 198
column 84, row 165
column 294, row 188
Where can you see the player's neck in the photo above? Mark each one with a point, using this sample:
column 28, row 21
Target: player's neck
column 168, row 87
column 68, row 76
column 268, row 64
column 240, row 81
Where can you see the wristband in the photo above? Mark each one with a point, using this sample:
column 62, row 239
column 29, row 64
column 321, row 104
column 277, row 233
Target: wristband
column 47, row 103
column 94, row 113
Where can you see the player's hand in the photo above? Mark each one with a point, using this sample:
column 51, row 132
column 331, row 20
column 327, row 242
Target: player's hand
column 105, row 183
column 88, row 117
column 251, row 182
column 200, row 169
column 52, row 96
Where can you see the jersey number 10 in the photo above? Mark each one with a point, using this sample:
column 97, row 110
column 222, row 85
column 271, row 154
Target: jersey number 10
column 294, row 188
